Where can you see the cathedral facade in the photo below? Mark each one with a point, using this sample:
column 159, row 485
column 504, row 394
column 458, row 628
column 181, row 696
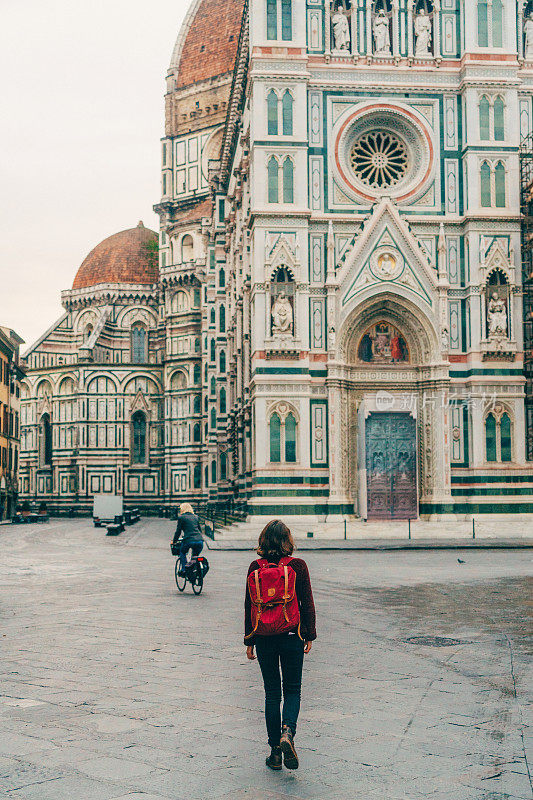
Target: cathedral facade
column 336, row 323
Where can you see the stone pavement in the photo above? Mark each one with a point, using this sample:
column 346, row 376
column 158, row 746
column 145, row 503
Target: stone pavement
column 116, row 687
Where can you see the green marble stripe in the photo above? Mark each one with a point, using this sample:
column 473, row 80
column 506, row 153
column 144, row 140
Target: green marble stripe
column 479, row 491
column 291, row 492
column 301, row 510
column 482, row 371
column 303, row 479
column 476, row 508
column 492, row 478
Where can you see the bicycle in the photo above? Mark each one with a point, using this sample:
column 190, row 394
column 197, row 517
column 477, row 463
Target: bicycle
column 195, row 571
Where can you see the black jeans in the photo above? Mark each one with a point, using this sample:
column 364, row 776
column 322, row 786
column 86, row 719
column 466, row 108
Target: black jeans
column 286, row 650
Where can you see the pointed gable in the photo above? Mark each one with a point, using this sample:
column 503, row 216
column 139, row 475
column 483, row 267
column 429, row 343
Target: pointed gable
column 385, row 255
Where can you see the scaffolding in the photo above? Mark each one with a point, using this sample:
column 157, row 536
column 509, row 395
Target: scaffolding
column 526, row 207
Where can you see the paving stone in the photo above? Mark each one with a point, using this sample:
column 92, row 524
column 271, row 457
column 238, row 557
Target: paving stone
column 118, row 687
column 68, row 788
column 111, row 768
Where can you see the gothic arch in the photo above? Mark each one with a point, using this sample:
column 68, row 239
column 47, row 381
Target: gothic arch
column 419, row 332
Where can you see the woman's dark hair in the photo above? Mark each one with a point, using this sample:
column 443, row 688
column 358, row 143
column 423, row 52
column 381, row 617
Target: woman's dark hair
column 275, row 541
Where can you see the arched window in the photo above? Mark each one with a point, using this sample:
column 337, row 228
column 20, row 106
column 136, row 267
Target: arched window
column 497, row 23
column 221, row 278
column 206, row 475
column 197, row 433
column 213, row 419
column 197, row 345
column 485, row 176
column 180, row 302
column 505, row 438
column 213, row 350
column 205, row 373
column 213, row 386
column 222, row 361
column 197, row 476
column 138, row 345
column 490, row 437
column 205, row 403
column 213, row 471
column 484, row 118
column 499, row 120
column 222, row 319
column 499, row 185
column 196, row 297
column 196, row 374
column 272, row 19
column 288, row 181
column 223, row 466
column 275, row 438
column 286, row 20
column 286, row 110
column 273, row 180
column 197, row 404
column 482, row 24
column 272, row 113
column 187, row 248
column 212, row 317
column 283, row 436
column 222, row 401
column 290, row 438
column 138, row 449
column 45, row 441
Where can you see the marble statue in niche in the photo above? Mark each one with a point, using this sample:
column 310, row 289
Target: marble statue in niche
column 423, row 34
column 341, row 29
column 282, row 316
column 381, row 34
column 528, row 30
column 496, row 316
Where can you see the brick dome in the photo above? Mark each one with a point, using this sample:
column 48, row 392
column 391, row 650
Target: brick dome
column 207, row 44
column 126, row 257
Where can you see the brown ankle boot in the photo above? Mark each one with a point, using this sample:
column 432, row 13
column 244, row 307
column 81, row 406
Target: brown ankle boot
column 274, row 759
column 290, row 759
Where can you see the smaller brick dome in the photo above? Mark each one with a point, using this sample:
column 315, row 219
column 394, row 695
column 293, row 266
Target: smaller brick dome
column 126, row 257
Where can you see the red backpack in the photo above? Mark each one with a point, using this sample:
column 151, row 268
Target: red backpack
column 272, row 590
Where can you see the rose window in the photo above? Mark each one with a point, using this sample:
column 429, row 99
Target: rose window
column 379, row 159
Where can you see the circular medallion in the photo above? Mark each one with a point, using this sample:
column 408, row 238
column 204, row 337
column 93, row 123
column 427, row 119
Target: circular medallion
column 382, row 150
column 386, row 263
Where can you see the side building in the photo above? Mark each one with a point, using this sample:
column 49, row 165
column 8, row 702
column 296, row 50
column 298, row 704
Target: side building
column 11, row 373
column 92, row 401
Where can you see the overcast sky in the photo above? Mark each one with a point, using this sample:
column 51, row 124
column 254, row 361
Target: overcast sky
column 82, row 115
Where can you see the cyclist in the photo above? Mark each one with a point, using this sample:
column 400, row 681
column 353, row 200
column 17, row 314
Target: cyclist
column 188, row 528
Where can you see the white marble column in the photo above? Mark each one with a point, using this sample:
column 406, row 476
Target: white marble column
column 436, row 30
column 410, row 29
column 520, row 30
column 369, row 42
column 395, row 29
column 353, row 31
column 328, row 28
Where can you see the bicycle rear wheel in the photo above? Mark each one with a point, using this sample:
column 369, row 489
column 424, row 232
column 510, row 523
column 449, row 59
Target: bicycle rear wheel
column 181, row 582
column 198, row 582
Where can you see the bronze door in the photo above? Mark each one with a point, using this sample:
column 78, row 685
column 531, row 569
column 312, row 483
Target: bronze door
column 391, row 466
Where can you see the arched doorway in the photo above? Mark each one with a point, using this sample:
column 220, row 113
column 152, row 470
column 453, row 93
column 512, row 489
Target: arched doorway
column 391, row 456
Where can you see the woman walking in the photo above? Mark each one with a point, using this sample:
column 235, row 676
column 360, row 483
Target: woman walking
column 279, row 622
column 188, row 528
